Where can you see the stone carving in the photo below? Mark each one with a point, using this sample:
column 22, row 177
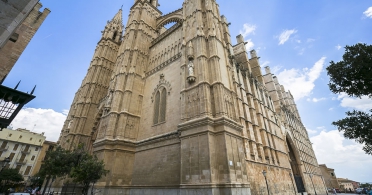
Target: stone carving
column 164, row 64
column 190, row 55
column 162, row 83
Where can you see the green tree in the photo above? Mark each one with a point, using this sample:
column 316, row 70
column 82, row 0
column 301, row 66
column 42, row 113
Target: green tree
column 352, row 75
column 9, row 176
column 57, row 163
column 88, row 171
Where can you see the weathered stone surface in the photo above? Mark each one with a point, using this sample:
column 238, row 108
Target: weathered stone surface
column 22, row 27
column 160, row 132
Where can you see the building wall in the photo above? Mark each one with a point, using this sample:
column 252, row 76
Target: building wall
column 329, row 176
column 47, row 145
column 12, row 49
column 23, row 147
column 12, row 13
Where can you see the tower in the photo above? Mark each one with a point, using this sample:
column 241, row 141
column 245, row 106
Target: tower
column 181, row 110
column 84, row 108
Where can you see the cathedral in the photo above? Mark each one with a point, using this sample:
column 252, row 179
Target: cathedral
column 182, row 111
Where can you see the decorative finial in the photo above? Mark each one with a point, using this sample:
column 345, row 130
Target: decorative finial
column 17, row 85
column 121, row 7
column 33, row 90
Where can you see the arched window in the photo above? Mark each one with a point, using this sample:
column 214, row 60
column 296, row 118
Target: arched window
column 115, row 34
column 160, row 106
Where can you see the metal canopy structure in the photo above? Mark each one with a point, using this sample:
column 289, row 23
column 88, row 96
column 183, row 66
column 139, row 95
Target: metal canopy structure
column 11, row 102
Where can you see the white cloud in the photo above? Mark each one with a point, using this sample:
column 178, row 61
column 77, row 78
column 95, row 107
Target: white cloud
column 40, row 120
column 330, row 109
column 298, row 41
column 364, row 103
column 275, row 70
column 316, row 99
column 301, row 82
column 309, row 40
column 332, row 149
column 247, row 29
column 368, row 12
column 310, row 131
column 65, row 112
column 338, row 47
column 301, row 51
column 265, row 63
column 249, row 46
column 285, row 36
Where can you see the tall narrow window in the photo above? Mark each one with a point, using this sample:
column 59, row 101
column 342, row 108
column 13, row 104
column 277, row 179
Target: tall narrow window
column 156, row 108
column 27, row 171
column 115, row 34
column 16, row 147
column 163, row 105
column 160, row 106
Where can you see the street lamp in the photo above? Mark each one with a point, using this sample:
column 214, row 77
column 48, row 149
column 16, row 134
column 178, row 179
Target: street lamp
column 311, row 178
column 267, row 186
column 294, row 189
column 5, row 162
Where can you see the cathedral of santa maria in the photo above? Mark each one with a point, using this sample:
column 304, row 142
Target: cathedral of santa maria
column 182, row 111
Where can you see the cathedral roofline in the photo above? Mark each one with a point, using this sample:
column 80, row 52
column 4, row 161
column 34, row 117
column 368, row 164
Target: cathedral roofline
column 139, row 1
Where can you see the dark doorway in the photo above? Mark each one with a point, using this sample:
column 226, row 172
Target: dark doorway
column 296, row 169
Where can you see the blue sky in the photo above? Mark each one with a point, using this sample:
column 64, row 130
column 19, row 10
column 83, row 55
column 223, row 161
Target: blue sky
column 297, row 39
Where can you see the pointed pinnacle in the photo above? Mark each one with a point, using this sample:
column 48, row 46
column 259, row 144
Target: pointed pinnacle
column 17, row 85
column 33, row 90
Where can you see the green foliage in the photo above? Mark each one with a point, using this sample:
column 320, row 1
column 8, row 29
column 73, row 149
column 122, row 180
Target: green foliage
column 37, row 180
column 365, row 185
column 82, row 167
column 89, row 170
column 352, row 76
column 10, row 175
column 57, row 163
column 357, row 126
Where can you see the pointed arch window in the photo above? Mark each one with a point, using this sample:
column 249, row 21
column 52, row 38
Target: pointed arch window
column 160, row 106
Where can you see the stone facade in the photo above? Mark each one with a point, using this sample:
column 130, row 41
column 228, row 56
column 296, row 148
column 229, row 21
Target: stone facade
column 16, row 31
column 183, row 111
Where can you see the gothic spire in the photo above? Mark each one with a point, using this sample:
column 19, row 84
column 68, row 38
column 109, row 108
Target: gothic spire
column 114, row 28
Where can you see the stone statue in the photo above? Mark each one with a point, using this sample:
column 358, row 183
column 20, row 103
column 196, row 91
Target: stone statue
column 190, row 67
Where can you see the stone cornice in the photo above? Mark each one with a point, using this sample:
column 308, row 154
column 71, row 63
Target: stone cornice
column 159, row 138
column 209, row 121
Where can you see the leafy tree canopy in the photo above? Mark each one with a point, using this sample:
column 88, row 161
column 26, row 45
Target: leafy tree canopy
column 57, row 163
column 10, row 175
column 357, row 126
column 353, row 76
column 89, row 170
column 79, row 165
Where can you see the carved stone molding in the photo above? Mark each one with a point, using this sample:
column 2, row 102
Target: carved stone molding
column 164, row 64
column 162, row 83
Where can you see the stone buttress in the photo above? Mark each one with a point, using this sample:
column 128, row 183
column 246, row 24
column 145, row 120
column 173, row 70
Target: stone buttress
column 84, row 109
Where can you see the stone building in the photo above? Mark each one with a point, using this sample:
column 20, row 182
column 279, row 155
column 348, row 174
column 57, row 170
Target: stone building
column 23, row 148
column 346, row 184
column 183, row 111
column 329, row 176
column 20, row 19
